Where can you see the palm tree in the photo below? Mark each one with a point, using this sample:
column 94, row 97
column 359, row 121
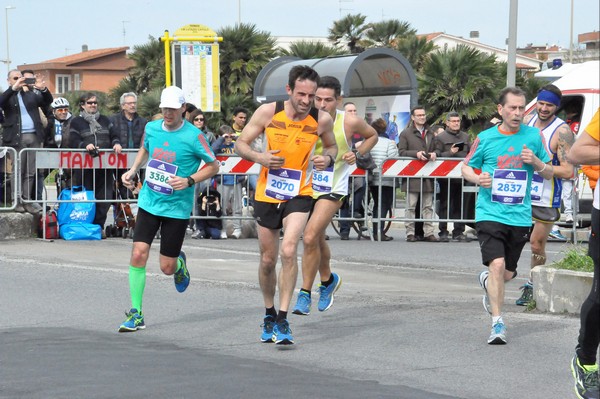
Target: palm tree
column 462, row 79
column 531, row 85
column 148, row 103
column 243, row 53
column 349, row 30
column 149, row 70
column 386, row 33
column 228, row 102
column 308, row 50
column 415, row 49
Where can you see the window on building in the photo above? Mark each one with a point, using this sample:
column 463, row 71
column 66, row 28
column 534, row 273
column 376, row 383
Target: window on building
column 63, row 83
column 76, row 82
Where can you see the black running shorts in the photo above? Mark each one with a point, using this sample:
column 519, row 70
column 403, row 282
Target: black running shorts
column 497, row 240
column 271, row 216
column 172, row 232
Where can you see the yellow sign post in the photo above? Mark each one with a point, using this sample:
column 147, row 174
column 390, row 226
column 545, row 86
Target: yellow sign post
column 192, row 63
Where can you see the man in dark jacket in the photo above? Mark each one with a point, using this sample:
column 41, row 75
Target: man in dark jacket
column 128, row 124
column 452, row 143
column 416, row 141
column 21, row 102
column 93, row 131
column 130, row 127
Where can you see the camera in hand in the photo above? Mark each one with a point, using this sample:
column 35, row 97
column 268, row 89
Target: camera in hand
column 211, row 198
column 427, row 155
column 29, row 81
column 94, row 152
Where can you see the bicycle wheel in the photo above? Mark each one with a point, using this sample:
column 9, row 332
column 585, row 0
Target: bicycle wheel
column 387, row 224
column 360, row 227
column 336, row 228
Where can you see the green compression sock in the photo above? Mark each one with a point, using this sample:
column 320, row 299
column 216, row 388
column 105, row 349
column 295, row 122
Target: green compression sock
column 137, row 283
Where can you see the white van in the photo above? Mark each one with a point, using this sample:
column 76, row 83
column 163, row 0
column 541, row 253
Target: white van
column 581, row 90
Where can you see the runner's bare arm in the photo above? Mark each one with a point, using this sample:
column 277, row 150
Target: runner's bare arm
column 330, row 149
column 565, row 139
column 483, row 179
column 257, row 125
column 140, row 159
column 207, row 172
column 546, row 170
column 355, row 125
column 366, row 131
column 585, row 150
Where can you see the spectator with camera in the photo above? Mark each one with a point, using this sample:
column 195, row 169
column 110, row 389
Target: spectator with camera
column 57, row 136
column 416, row 141
column 453, row 143
column 210, row 224
column 230, row 186
column 93, row 131
column 26, row 95
column 197, row 118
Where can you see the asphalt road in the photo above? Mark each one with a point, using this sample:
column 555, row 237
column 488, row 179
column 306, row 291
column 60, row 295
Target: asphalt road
column 407, row 323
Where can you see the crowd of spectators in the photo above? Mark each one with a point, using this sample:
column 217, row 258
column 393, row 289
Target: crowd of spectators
column 32, row 118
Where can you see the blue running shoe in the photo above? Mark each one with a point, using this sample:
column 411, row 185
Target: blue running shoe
column 267, row 326
column 282, row 334
column 134, row 321
column 326, row 293
column 486, row 300
column 303, row 304
column 498, row 335
column 557, row 235
column 526, row 295
column 182, row 276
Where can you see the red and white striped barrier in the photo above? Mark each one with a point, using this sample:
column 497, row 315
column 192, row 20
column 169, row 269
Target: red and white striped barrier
column 395, row 167
column 416, row 168
column 391, row 167
column 237, row 165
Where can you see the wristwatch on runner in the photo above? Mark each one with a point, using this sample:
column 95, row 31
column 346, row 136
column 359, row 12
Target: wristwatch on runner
column 191, row 181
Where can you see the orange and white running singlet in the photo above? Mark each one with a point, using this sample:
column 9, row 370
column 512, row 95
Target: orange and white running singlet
column 296, row 142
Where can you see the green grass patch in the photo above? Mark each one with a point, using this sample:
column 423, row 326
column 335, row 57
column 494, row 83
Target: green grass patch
column 575, row 258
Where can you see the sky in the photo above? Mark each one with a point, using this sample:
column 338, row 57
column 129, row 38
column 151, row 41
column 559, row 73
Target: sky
column 41, row 30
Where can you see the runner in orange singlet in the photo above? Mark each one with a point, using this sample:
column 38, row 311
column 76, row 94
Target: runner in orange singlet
column 283, row 195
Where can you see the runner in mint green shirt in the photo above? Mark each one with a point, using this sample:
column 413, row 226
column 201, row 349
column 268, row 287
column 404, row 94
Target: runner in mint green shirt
column 172, row 151
column 180, row 151
column 507, row 155
column 498, row 153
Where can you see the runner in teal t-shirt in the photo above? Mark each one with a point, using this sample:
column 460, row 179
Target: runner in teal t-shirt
column 508, row 201
column 172, row 151
column 180, row 150
column 507, row 156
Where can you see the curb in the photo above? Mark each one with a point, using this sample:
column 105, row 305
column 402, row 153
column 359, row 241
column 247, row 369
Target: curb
column 559, row 290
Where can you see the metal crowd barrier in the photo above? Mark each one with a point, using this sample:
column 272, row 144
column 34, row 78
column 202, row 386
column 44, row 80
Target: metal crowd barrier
column 8, row 181
column 443, row 174
column 70, row 167
column 445, row 171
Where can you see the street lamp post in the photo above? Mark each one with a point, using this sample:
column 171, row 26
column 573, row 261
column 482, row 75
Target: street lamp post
column 511, row 64
column 7, row 40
